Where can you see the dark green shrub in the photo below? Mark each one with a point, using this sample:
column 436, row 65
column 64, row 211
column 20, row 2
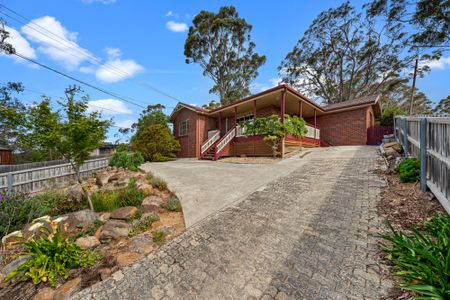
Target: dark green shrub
column 156, row 143
column 409, row 170
column 422, row 258
column 127, row 160
column 15, row 211
column 51, row 258
column 111, row 200
column 158, row 183
column 55, row 203
column 173, row 204
column 387, row 118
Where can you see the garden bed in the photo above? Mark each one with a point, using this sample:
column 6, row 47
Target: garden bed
column 134, row 215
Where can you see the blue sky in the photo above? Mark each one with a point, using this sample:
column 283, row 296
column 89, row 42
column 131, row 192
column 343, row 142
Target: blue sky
column 130, row 46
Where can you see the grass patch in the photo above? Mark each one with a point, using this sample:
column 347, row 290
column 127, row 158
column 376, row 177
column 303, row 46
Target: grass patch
column 158, row 236
column 173, row 204
column 422, row 258
column 158, row 182
column 143, row 225
column 111, row 200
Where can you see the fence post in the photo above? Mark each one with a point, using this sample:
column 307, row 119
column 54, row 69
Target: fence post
column 423, row 154
column 9, row 179
column 405, row 137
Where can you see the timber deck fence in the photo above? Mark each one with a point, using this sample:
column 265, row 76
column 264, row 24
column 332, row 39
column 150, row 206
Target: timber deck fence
column 428, row 138
column 37, row 179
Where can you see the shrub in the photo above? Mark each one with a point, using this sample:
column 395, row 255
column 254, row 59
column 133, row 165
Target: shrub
column 15, row 211
column 158, row 182
column 55, row 203
column 387, row 118
column 111, row 200
column 409, row 170
column 143, row 225
column 127, row 160
column 156, row 143
column 51, row 258
column 422, row 259
column 173, row 204
column 158, row 236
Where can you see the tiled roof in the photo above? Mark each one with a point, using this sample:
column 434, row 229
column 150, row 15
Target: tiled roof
column 372, row 99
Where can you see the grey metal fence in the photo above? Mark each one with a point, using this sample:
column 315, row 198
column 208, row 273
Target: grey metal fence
column 37, row 179
column 428, row 138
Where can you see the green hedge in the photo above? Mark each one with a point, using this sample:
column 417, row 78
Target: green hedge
column 409, row 170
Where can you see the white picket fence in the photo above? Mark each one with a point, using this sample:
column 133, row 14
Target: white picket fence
column 38, row 179
column 428, row 138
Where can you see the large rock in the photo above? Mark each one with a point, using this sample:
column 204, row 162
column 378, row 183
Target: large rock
column 102, row 178
column 147, row 188
column 127, row 258
column 36, row 230
column 75, row 193
column 68, row 289
column 113, row 230
column 14, row 264
column 87, row 242
column 141, row 243
column 12, row 238
column 74, row 222
column 124, row 213
column 152, row 204
column 45, row 294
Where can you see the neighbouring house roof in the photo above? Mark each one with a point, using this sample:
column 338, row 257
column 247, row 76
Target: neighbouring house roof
column 5, row 149
column 349, row 104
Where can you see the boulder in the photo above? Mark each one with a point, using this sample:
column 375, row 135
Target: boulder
column 104, row 216
column 45, row 294
column 141, row 243
column 123, row 213
column 113, row 230
column 127, row 258
column 68, row 289
column 152, row 204
column 145, row 187
column 104, row 273
column 14, row 264
column 75, row 193
column 76, row 221
column 102, row 178
column 87, row 242
column 36, row 230
column 12, row 238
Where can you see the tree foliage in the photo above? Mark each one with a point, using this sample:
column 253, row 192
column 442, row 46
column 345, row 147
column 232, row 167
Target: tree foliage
column 221, row 44
column 12, row 113
column 344, row 55
column 387, row 118
column 211, row 105
column 443, row 107
column 274, row 130
column 156, row 143
column 401, row 96
column 425, row 22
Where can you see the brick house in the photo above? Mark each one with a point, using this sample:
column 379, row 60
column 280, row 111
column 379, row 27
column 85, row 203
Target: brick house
column 214, row 133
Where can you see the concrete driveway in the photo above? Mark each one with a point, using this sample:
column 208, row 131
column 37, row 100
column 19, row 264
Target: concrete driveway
column 205, row 187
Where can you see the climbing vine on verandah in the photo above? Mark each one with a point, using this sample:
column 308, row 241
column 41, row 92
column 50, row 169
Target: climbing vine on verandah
column 274, row 130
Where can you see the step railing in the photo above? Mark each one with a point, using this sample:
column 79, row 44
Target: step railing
column 226, row 139
column 313, row 133
column 206, row 145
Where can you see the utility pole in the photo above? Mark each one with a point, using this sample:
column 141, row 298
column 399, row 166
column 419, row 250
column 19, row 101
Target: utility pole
column 413, row 85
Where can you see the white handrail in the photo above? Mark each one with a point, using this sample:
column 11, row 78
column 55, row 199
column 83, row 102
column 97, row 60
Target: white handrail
column 226, row 139
column 312, row 133
column 210, row 141
column 240, row 130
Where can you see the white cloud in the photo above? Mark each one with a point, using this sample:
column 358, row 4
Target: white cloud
column 115, row 70
column 112, row 52
column 275, row 81
column 20, row 44
column 124, row 123
column 439, row 64
column 99, row 1
column 60, row 45
column 112, row 107
column 176, row 26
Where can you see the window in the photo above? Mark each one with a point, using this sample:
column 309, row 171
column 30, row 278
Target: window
column 244, row 119
column 184, row 127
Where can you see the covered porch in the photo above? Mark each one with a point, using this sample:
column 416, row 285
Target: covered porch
column 228, row 138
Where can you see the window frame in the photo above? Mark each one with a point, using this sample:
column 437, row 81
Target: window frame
column 184, row 132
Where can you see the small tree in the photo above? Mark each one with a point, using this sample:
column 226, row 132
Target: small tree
column 71, row 131
column 274, row 130
column 156, row 143
column 387, row 119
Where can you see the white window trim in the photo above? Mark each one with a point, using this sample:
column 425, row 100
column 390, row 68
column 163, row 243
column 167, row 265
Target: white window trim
column 181, row 126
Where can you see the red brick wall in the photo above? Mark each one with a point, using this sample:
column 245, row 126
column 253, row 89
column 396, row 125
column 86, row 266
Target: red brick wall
column 188, row 142
column 344, row 128
column 204, row 124
column 5, row 157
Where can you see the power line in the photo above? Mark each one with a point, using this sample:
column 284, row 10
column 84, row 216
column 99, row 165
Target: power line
column 83, row 53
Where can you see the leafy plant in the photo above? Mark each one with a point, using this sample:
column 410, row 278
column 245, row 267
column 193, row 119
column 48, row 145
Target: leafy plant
column 409, row 170
column 111, row 200
column 16, row 211
column 173, row 204
column 387, row 119
column 156, row 143
column 158, row 182
column 143, row 225
column 158, row 236
column 127, row 160
column 131, row 195
column 51, row 258
column 422, row 258
column 55, row 203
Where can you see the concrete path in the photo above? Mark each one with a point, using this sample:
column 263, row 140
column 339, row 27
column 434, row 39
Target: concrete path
column 306, row 235
column 204, row 187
